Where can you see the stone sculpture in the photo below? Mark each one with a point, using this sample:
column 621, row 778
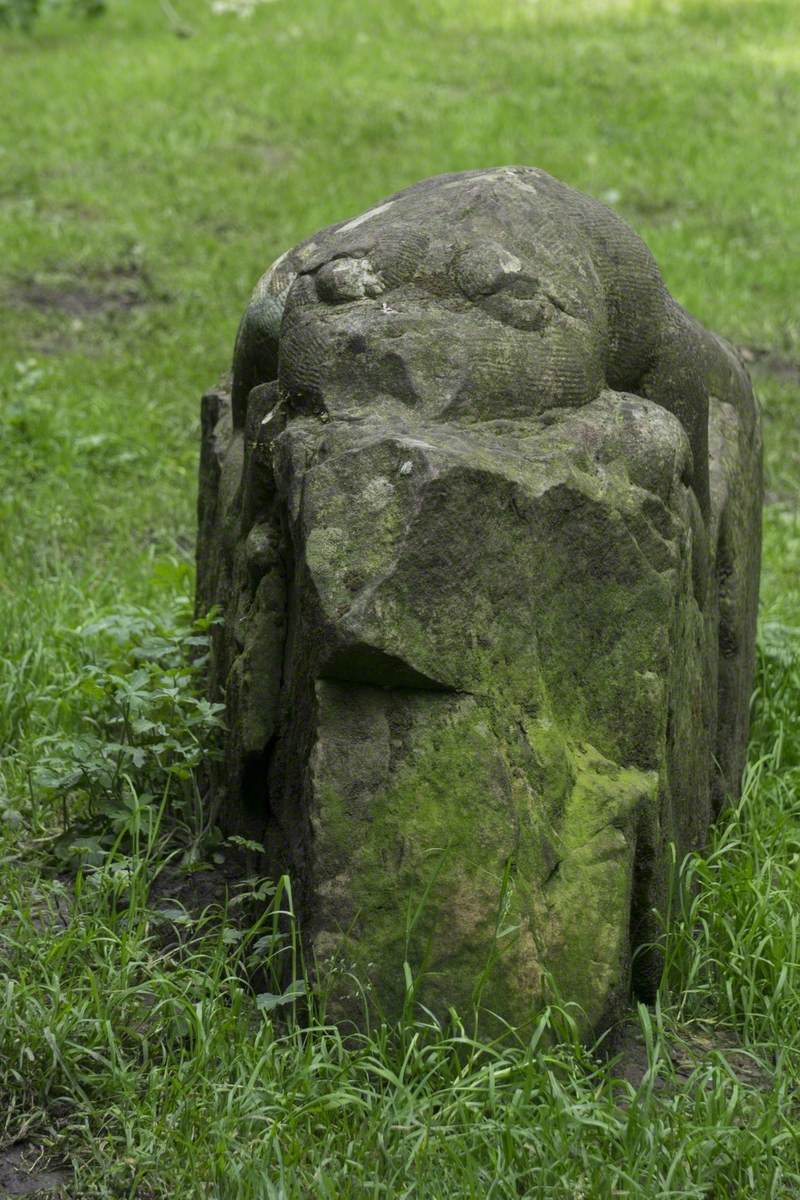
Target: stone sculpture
column 482, row 514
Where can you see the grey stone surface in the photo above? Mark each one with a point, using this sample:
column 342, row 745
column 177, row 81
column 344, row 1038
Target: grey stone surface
column 483, row 515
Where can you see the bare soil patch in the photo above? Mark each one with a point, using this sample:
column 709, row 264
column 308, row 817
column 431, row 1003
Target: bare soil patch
column 697, row 1046
column 82, row 296
column 269, row 154
column 761, row 359
column 24, row 1172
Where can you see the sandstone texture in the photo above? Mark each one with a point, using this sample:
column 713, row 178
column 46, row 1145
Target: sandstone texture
column 482, row 514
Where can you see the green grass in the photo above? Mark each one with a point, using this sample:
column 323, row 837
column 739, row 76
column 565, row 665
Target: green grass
column 147, row 180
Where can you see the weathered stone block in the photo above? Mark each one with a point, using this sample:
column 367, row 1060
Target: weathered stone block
column 482, row 514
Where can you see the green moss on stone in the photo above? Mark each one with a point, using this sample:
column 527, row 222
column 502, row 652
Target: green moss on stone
column 459, row 860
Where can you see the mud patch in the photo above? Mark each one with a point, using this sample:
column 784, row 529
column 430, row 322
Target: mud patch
column 782, row 497
column 696, row 1047
column 183, row 899
column 762, row 360
column 274, row 156
column 649, row 210
column 92, row 295
column 24, row 1172
column 204, row 888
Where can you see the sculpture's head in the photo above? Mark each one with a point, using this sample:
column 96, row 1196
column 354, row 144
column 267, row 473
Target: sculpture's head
column 468, row 298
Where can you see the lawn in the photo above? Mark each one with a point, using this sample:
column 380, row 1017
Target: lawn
column 154, row 161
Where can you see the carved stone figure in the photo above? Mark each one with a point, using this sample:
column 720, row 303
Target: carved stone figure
column 482, row 515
